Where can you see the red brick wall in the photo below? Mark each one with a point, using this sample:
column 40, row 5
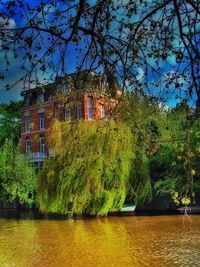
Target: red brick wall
column 35, row 132
column 57, row 108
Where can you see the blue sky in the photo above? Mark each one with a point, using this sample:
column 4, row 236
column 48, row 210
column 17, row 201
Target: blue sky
column 14, row 72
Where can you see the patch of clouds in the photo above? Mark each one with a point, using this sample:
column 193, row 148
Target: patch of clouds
column 172, row 60
column 14, row 93
column 177, row 43
column 7, row 23
column 10, row 95
column 92, row 2
column 140, row 74
column 163, row 106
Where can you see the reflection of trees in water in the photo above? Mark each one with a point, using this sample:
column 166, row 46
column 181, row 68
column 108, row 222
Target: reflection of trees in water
column 17, row 242
column 114, row 241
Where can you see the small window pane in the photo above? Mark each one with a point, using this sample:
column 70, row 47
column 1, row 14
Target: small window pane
column 26, row 100
column 42, row 121
column 68, row 114
column 28, row 145
column 40, row 97
column 90, row 110
column 79, row 111
column 27, row 123
column 102, row 112
column 42, row 145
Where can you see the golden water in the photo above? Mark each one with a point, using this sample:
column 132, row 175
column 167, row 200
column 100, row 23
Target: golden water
column 115, row 241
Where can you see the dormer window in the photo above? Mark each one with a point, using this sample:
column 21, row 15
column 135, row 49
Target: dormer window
column 40, row 97
column 27, row 100
column 63, row 88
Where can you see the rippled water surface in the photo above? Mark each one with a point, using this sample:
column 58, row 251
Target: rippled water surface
column 115, row 241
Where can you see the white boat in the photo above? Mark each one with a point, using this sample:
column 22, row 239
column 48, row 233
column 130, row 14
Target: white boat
column 127, row 209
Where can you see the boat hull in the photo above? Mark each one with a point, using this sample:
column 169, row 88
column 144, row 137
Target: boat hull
column 126, row 210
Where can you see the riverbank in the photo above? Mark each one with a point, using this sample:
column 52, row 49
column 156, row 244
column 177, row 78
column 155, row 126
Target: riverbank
column 35, row 214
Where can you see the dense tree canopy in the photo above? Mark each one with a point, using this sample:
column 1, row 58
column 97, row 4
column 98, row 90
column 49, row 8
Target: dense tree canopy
column 145, row 152
column 175, row 168
column 90, row 170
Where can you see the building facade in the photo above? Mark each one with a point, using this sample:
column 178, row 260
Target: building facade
column 80, row 96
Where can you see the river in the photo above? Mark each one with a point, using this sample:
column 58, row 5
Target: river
column 26, row 241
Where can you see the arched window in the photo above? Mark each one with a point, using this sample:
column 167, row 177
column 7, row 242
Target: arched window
column 42, row 144
column 27, row 144
column 90, row 110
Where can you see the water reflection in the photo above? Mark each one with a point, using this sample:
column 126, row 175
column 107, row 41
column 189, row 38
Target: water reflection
column 116, row 241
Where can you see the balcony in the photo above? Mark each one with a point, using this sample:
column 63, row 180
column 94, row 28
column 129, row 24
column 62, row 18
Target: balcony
column 38, row 157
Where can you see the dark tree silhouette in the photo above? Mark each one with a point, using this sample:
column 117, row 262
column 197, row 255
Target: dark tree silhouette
column 152, row 46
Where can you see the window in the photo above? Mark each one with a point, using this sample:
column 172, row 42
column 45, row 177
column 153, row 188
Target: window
column 63, row 88
column 42, row 121
column 68, row 114
column 79, row 111
column 27, row 144
column 90, row 110
column 27, row 123
column 42, row 145
column 102, row 112
column 40, row 97
column 26, row 100
column 57, row 114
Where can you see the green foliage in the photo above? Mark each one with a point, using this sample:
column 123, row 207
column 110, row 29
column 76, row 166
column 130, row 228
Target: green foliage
column 90, row 170
column 140, row 183
column 175, row 167
column 10, row 121
column 18, row 181
column 162, row 175
column 144, row 116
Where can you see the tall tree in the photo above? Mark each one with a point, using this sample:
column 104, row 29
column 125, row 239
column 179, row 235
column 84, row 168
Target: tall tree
column 89, row 172
column 10, row 121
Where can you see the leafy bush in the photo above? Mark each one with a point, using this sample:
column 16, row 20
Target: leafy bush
column 18, row 180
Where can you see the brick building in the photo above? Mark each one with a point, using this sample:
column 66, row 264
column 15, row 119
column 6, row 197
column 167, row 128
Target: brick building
column 84, row 96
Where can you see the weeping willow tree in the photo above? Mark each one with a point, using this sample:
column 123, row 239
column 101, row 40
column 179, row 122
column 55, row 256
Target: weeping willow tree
column 89, row 171
column 140, row 190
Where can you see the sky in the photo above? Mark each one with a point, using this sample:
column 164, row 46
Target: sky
column 13, row 72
